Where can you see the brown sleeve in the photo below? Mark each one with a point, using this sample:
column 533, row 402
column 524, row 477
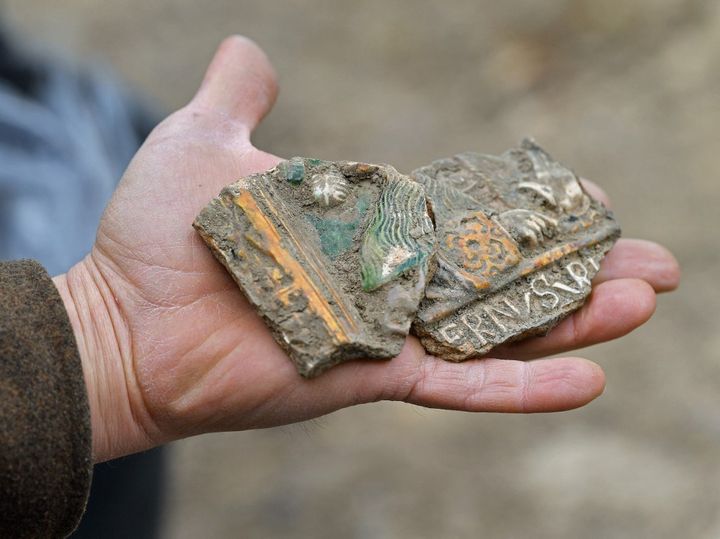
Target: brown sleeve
column 45, row 441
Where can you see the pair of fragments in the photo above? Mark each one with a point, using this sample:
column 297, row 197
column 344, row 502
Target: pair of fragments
column 344, row 259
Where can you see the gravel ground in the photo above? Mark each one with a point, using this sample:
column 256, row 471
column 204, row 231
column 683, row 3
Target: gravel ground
column 624, row 91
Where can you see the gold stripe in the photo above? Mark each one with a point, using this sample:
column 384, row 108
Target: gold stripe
column 300, row 279
column 350, row 325
column 531, row 265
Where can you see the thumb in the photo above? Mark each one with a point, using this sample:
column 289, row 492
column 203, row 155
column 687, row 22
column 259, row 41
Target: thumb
column 240, row 82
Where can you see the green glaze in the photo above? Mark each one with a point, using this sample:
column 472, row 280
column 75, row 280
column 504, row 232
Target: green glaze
column 362, row 205
column 336, row 236
column 315, row 162
column 389, row 246
column 293, row 170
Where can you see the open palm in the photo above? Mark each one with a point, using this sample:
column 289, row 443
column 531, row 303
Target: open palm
column 171, row 347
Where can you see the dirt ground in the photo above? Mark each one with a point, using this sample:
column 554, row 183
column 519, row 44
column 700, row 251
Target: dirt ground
column 626, row 92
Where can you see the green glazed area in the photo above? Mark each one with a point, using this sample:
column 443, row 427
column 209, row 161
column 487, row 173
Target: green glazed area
column 293, row 170
column 336, row 236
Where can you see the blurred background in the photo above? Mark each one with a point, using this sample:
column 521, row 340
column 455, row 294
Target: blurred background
column 624, row 92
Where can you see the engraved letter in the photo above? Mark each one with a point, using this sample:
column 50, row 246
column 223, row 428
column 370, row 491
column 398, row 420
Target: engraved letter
column 566, row 288
column 444, row 332
column 593, row 263
column 579, row 273
column 541, row 292
column 474, row 324
column 513, row 313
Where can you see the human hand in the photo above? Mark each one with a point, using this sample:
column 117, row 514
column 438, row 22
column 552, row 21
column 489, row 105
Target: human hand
column 171, row 348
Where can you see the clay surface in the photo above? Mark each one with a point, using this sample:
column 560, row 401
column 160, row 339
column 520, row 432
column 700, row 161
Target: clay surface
column 335, row 255
column 474, row 250
column 519, row 242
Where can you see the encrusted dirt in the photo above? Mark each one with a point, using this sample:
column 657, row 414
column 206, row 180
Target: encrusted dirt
column 626, row 92
column 334, row 255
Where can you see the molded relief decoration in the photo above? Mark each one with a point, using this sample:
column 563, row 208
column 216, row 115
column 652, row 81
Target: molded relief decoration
column 341, row 258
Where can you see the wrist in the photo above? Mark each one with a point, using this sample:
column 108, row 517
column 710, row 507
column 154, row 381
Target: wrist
column 119, row 421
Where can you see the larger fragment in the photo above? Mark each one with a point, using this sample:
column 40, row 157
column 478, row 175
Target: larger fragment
column 334, row 255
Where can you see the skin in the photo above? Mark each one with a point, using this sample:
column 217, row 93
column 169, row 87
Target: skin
column 170, row 348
